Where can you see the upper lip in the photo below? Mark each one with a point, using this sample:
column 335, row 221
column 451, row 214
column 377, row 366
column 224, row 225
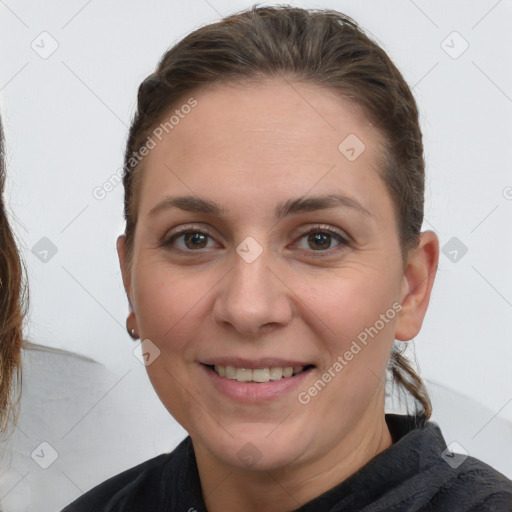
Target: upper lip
column 252, row 364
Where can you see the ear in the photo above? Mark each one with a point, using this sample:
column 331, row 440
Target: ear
column 417, row 284
column 125, row 270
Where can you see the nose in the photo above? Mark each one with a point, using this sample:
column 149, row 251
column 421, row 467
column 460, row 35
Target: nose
column 252, row 299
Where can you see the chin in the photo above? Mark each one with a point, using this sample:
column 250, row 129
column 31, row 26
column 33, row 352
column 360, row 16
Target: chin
column 257, row 446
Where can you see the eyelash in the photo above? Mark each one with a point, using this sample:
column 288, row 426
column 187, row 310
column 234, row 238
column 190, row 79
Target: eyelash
column 323, row 229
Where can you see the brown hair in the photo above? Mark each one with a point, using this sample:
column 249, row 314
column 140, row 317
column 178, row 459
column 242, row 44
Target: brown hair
column 12, row 309
column 322, row 47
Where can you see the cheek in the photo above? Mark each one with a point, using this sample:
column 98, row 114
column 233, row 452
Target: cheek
column 351, row 300
column 170, row 312
column 355, row 341
column 356, row 326
column 166, row 303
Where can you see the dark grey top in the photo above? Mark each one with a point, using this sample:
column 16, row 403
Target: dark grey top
column 411, row 475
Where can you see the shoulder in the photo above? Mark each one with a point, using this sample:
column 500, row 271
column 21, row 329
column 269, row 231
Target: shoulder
column 434, row 478
column 138, row 487
column 466, row 483
column 473, row 486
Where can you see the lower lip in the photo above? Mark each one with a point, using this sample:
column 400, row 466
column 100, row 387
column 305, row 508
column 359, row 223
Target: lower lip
column 255, row 391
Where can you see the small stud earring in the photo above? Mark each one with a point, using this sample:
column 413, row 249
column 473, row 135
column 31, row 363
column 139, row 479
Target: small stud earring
column 131, row 332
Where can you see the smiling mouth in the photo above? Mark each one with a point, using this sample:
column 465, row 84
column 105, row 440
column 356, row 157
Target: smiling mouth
column 258, row 375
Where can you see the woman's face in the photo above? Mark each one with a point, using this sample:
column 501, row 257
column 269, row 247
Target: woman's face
column 290, row 259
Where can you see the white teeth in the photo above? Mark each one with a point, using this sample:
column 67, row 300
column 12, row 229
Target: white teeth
column 221, row 370
column 288, row 371
column 258, row 374
column 276, row 373
column 243, row 375
column 261, row 375
column 230, row 372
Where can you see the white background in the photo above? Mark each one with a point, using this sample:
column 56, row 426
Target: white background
column 66, row 119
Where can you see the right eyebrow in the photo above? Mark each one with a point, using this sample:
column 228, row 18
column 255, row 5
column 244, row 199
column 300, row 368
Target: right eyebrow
column 189, row 204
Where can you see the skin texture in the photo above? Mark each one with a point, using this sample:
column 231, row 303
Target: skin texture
column 249, row 147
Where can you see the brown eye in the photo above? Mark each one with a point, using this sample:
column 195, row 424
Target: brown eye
column 319, row 241
column 195, row 240
column 189, row 240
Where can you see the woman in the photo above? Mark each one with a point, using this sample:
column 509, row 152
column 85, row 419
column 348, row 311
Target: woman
column 12, row 303
column 272, row 255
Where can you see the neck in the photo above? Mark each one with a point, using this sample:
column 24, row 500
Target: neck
column 290, row 487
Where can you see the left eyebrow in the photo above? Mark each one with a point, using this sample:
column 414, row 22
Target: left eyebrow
column 312, row 203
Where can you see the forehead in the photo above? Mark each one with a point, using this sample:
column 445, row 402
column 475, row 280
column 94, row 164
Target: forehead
column 267, row 136
column 273, row 110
